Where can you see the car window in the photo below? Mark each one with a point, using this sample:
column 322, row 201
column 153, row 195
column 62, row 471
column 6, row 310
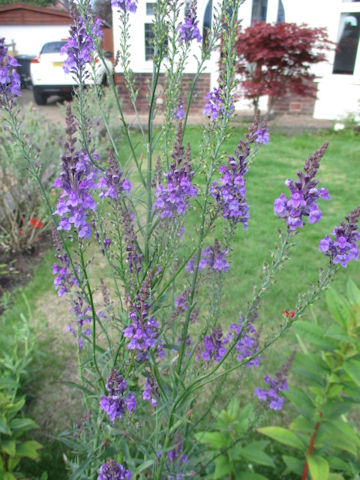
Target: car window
column 52, row 47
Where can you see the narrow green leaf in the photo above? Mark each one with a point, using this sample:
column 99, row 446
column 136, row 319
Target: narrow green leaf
column 352, row 368
column 250, row 476
column 8, row 476
column 144, row 466
column 318, row 467
column 335, row 476
column 337, row 434
column 283, row 436
column 23, row 424
column 18, row 405
column 312, row 367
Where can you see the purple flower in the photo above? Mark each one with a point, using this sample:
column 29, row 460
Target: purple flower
column 151, row 391
column 9, row 77
column 278, row 384
column 214, row 346
column 117, row 402
column 230, row 192
column 143, row 330
column 215, row 106
column 76, row 181
column 112, row 184
column 189, row 30
column 172, row 199
column 81, row 44
column 179, row 113
column 248, row 344
column 125, row 5
column 262, row 136
column 344, row 247
column 304, row 195
column 64, row 276
column 112, row 470
column 212, row 257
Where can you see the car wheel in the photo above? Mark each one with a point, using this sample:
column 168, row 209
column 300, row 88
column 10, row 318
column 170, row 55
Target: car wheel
column 39, row 97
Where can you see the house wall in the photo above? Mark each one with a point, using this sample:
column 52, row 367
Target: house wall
column 30, row 38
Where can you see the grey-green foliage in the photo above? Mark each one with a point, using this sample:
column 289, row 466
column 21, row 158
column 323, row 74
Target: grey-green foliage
column 20, row 198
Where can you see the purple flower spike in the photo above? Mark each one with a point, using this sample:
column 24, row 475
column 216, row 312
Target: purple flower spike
column 215, row 106
column 9, row 77
column 276, row 385
column 262, row 136
column 143, row 330
column 212, row 257
column 189, row 30
column 172, row 199
column 214, row 346
column 151, row 391
column 304, row 195
column 112, row 184
column 248, row 344
column 125, row 5
column 76, row 181
column 116, row 403
column 112, row 470
column 179, row 113
column 81, row 44
column 344, row 247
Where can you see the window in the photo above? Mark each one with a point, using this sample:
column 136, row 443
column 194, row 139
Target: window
column 150, row 8
column 149, row 41
column 207, row 21
column 281, row 13
column 259, row 11
column 348, row 41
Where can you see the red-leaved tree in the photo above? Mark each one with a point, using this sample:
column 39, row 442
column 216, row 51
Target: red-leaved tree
column 276, row 60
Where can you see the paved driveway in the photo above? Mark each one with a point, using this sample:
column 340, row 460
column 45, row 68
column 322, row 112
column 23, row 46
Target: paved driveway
column 51, row 110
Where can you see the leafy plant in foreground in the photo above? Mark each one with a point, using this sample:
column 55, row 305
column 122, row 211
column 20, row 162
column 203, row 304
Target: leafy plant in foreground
column 326, row 441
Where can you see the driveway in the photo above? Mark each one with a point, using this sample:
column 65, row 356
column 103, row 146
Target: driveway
column 51, row 110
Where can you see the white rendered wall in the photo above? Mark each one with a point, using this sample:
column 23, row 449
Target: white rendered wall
column 30, row 38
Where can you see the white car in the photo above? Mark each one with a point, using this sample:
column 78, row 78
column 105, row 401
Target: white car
column 48, row 76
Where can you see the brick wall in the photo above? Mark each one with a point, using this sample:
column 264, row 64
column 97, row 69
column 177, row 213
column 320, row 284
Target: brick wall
column 294, row 104
column 142, row 82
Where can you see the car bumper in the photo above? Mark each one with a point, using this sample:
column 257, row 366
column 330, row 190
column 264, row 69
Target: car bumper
column 55, row 89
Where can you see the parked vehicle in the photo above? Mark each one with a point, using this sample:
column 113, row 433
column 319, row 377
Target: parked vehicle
column 48, row 77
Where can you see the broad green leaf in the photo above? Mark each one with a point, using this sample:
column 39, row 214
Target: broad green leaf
column 13, row 463
column 312, row 367
column 337, row 434
column 223, row 467
column 335, row 476
column 352, row 391
column 313, row 334
column 318, row 467
column 283, row 436
column 301, row 401
column 8, row 476
column 338, row 307
column 23, row 424
column 293, row 464
column 337, row 463
column 29, row 449
column 8, row 382
column 216, row 440
column 333, row 409
column 18, row 405
column 353, row 293
column 250, row 476
column 352, row 368
column 253, row 452
column 302, row 425
column 4, row 427
column 233, row 407
column 338, row 333
column 9, row 447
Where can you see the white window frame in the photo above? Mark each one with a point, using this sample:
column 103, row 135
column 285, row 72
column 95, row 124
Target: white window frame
column 348, row 7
